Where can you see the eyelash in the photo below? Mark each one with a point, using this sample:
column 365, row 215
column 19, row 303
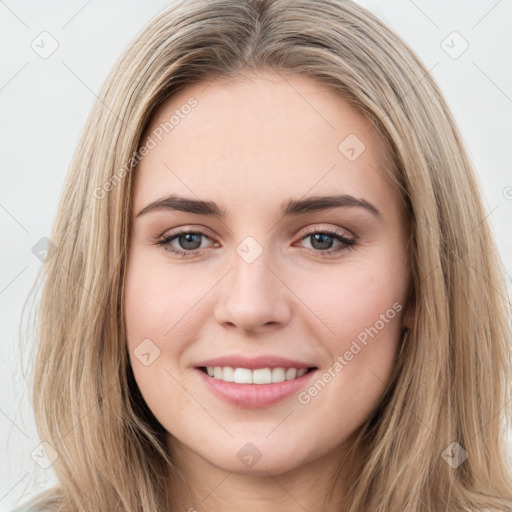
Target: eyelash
column 346, row 243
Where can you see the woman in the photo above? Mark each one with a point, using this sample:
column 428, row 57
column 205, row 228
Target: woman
column 259, row 369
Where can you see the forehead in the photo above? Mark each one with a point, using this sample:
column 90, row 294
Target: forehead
column 253, row 138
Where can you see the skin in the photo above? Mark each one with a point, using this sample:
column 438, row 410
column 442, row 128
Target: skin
column 250, row 144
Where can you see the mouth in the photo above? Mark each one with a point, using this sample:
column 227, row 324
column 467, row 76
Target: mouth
column 255, row 388
column 258, row 376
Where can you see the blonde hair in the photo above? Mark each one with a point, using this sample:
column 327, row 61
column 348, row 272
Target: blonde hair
column 452, row 375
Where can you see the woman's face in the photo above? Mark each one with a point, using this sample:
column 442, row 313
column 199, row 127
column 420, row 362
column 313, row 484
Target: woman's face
column 275, row 276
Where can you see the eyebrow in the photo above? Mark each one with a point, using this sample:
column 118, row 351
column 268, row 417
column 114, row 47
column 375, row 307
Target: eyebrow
column 292, row 207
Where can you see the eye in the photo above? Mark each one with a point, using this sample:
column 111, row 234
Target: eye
column 189, row 242
column 323, row 239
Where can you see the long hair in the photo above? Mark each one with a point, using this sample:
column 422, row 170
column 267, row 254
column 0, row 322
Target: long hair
column 452, row 378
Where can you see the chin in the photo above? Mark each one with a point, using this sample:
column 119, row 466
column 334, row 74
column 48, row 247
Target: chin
column 257, row 458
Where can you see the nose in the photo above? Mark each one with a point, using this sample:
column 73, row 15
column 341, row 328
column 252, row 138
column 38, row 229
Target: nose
column 253, row 297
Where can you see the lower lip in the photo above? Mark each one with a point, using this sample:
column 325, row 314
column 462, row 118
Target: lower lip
column 254, row 395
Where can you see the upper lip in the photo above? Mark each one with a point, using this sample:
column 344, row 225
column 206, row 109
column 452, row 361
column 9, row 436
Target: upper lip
column 251, row 362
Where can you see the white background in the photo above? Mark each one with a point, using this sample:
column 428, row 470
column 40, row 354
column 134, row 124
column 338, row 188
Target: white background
column 45, row 102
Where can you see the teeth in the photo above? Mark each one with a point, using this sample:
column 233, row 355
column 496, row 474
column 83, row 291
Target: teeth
column 228, row 374
column 243, row 376
column 278, row 375
column 263, row 376
column 259, row 376
column 291, row 373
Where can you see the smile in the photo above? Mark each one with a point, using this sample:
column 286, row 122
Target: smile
column 254, row 388
column 256, row 376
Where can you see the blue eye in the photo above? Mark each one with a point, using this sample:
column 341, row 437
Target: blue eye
column 326, row 237
column 190, row 242
column 187, row 239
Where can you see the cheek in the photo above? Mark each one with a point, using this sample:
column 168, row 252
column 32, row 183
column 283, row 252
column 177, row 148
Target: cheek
column 157, row 305
column 360, row 307
column 155, row 313
column 363, row 308
column 157, row 324
column 354, row 297
column 164, row 314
